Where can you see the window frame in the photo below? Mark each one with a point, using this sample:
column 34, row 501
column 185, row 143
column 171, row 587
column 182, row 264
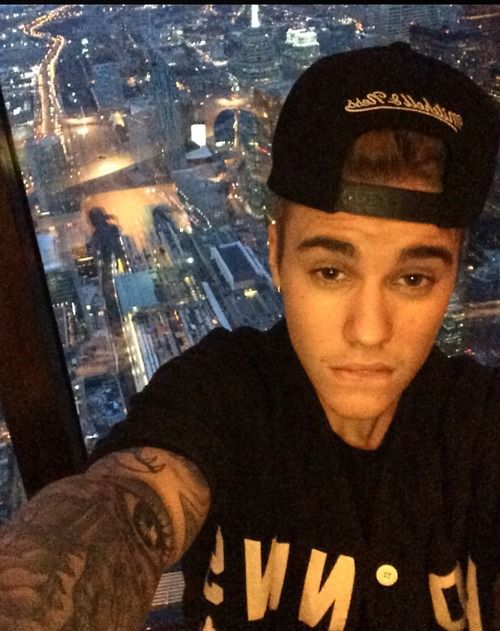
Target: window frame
column 35, row 389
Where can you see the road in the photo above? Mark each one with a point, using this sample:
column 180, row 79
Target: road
column 49, row 112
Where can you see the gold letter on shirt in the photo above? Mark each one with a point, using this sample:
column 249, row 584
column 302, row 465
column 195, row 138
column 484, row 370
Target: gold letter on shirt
column 472, row 607
column 209, row 625
column 213, row 592
column 336, row 590
column 264, row 588
column 436, row 586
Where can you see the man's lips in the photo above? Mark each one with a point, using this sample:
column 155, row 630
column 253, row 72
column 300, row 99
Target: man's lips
column 377, row 367
column 356, row 372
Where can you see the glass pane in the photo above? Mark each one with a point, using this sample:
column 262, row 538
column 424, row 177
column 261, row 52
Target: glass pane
column 143, row 133
column 146, row 183
column 11, row 486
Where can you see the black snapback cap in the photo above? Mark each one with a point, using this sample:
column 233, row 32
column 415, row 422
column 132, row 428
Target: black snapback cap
column 342, row 96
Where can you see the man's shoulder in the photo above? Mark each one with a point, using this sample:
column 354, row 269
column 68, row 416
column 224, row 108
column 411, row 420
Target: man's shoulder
column 223, row 360
column 469, row 390
column 243, row 340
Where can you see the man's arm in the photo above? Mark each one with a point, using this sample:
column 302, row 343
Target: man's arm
column 87, row 552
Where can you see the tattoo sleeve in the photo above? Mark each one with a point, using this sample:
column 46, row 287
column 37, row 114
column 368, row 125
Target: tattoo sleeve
column 87, row 552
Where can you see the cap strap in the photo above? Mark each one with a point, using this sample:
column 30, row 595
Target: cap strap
column 392, row 203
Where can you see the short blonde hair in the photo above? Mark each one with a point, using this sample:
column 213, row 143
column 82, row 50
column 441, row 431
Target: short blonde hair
column 385, row 156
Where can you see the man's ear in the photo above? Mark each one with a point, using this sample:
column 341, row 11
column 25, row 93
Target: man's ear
column 273, row 257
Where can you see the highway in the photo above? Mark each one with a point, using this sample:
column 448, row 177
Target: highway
column 49, row 113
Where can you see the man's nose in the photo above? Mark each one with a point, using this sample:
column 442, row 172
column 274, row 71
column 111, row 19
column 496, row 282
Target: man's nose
column 369, row 317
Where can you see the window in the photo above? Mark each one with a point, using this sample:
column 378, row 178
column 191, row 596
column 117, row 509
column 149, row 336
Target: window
column 148, row 238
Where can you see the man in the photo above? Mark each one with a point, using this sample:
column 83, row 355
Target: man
column 343, row 471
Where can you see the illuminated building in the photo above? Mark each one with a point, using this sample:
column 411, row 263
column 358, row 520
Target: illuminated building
column 67, row 306
column 17, row 89
column 156, row 335
column 256, row 63
column 301, row 50
column 86, row 267
column 61, row 283
column 154, row 332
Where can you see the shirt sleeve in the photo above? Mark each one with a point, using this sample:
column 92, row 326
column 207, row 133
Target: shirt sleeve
column 193, row 406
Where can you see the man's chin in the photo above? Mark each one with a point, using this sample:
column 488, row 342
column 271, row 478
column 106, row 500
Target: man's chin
column 355, row 410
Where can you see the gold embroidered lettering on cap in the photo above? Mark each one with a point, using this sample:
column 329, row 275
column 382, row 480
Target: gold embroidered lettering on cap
column 379, row 100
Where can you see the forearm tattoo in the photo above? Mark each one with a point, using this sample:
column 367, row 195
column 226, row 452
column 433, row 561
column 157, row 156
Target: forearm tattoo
column 87, row 554
column 144, row 463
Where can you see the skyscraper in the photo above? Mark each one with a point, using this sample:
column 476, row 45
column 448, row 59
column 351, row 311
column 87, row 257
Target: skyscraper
column 256, row 63
column 168, row 116
column 394, row 20
column 301, row 49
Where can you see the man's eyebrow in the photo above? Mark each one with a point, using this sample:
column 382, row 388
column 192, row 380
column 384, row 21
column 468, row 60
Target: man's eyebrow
column 407, row 254
column 427, row 252
column 328, row 243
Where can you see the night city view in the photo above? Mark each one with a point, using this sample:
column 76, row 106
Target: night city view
column 143, row 134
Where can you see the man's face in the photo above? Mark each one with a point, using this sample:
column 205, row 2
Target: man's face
column 364, row 299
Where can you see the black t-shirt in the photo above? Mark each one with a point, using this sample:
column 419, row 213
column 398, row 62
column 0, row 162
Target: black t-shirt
column 362, row 469
column 310, row 532
column 363, row 472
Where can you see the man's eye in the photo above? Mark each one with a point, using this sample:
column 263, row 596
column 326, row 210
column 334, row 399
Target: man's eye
column 329, row 273
column 416, row 280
